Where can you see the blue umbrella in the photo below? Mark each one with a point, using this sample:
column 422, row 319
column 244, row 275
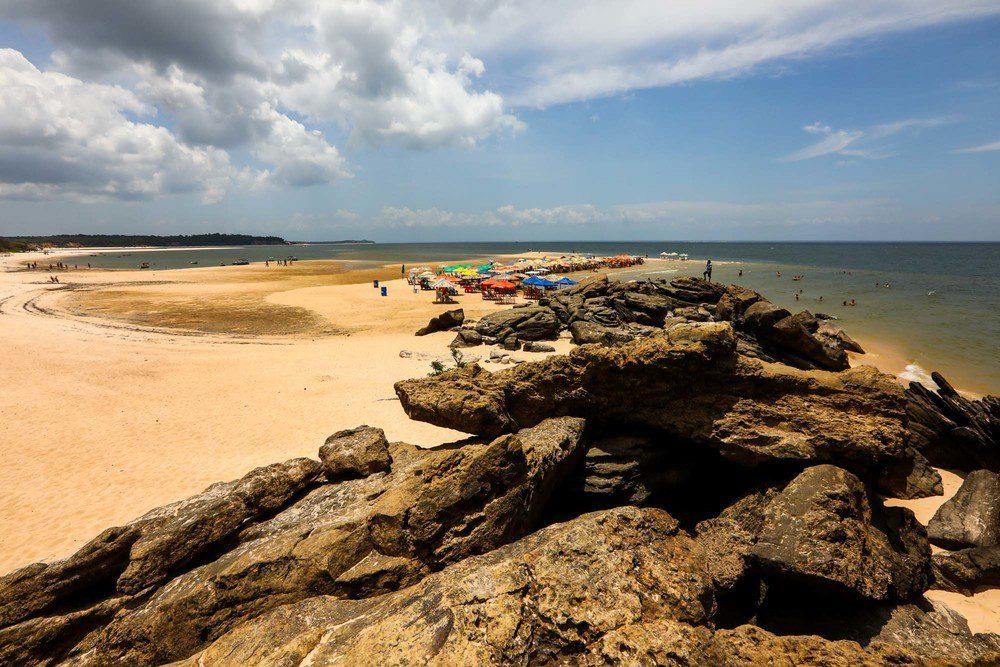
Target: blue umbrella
column 566, row 281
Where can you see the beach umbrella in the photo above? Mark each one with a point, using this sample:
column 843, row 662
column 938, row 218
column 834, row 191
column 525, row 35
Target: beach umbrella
column 566, row 281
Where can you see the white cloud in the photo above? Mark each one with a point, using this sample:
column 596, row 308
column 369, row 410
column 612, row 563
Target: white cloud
column 63, row 138
column 678, row 215
column 867, row 144
column 414, row 73
column 984, row 148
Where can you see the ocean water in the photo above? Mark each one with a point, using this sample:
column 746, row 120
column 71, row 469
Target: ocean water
column 941, row 311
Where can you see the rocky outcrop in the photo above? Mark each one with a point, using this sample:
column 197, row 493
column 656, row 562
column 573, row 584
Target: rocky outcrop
column 527, row 323
column 446, row 320
column 357, row 452
column 609, row 313
column 546, row 598
column 821, row 530
column 705, row 412
column 687, row 381
column 953, row 431
column 971, row 518
column 350, row 539
column 621, row 586
column 966, row 570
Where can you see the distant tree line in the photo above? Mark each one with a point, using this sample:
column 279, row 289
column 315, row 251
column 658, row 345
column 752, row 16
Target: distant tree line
column 6, row 245
column 19, row 243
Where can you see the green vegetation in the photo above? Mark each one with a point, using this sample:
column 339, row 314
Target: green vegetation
column 6, row 245
column 131, row 241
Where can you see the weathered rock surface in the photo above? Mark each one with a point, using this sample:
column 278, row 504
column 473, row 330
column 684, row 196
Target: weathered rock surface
column 544, row 599
column 530, row 346
column 910, row 477
column 356, row 452
column 821, row 531
column 687, row 381
column 352, row 539
column 966, row 570
column 953, row 431
column 443, row 322
column 528, row 323
column 971, row 518
column 467, row 338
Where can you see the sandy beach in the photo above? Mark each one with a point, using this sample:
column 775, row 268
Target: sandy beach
column 125, row 390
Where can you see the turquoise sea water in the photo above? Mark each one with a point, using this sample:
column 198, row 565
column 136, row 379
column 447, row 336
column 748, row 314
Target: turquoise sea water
column 942, row 311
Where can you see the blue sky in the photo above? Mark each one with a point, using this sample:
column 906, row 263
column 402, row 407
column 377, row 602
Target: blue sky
column 887, row 134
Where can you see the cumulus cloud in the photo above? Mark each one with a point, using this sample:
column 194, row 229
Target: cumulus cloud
column 63, row 138
column 867, row 144
column 272, row 81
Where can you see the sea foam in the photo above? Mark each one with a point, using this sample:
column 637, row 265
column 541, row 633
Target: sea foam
column 914, row 372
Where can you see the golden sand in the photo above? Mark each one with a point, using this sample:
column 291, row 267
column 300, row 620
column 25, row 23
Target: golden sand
column 126, row 390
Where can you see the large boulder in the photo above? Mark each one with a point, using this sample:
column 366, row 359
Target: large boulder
column 351, row 539
column 971, row 518
column 796, row 335
column 821, row 530
column 467, row 338
column 356, row 452
column 544, row 599
column 689, row 382
column 528, row 323
column 967, row 570
column 446, row 320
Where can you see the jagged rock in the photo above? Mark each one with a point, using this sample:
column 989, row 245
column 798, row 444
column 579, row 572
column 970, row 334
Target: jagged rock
column 951, row 430
column 821, row 530
column 910, row 477
column 971, row 518
column 443, row 322
column 693, row 314
column 128, row 559
column 356, row 452
column 585, row 332
column 543, row 599
column 747, row 646
column 529, row 323
column 689, row 382
column 762, row 315
column 966, row 570
column 835, row 337
column 530, row 346
column 797, row 336
column 467, row 338
column 729, row 538
column 351, row 539
column 935, row 632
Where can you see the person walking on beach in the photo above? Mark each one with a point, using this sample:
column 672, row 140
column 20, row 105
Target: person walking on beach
column 708, row 271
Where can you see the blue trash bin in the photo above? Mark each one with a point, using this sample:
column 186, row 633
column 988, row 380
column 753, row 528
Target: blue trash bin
column 385, row 291
column 375, row 284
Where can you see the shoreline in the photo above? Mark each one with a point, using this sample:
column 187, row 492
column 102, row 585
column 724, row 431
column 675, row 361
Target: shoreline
column 104, row 418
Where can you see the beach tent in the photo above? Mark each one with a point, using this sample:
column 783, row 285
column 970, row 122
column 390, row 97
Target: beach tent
column 535, row 281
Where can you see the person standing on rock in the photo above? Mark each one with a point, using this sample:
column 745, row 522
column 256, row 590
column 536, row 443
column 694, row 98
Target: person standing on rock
column 708, row 271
